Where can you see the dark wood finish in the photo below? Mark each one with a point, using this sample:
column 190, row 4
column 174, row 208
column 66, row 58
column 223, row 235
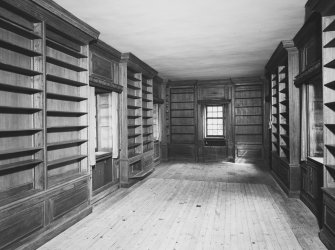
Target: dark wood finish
column 281, row 70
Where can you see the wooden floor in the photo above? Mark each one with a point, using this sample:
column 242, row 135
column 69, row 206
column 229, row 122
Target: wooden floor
column 197, row 206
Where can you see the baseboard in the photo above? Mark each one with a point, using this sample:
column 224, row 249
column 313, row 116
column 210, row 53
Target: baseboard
column 110, row 188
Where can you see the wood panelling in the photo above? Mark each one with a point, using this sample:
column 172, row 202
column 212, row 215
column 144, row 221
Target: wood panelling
column 21, row 224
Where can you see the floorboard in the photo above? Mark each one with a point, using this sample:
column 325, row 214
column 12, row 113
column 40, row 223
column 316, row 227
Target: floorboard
column 197, row 206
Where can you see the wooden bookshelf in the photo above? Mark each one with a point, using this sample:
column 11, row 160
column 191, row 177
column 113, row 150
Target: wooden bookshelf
column 67, row 114
column 327, row 234
column 138, row 151
column 281, row 69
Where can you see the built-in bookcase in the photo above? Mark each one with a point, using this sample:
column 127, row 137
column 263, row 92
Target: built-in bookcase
column 274, row 118
column 281, row 70
column 66, row 107
column 147, row 107
column 134, row 102
column 21, row 107
column 328, row 61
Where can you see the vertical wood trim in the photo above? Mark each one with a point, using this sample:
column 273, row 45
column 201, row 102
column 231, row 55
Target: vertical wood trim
column 196, row 121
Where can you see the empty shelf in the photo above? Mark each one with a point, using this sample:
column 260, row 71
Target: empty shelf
column 19, row 89
column 134, row 145
column 134, row 126
column 18, row 110
column 331, row 44
column 62, row 80
column 64, row 64
column 65, row 97
column 330, row 167
column 19, row 151
column 133, row 96
column 146, row 109
column 146, row 92
column 330, row 127
column 286, row 148
column 65, row 128
column 20, row 164
column 64, row 49
column 147, row 142
column 63, row 178
column 147, row 134
column 331, row 64
column 66, row 160
column 18, row 29
column 146, row 100
column 330, row 105
column 18, row 70
column 133, row 116
column 65, row 143
column 133, row 135
column 65, row 113
column 147, row 117
column 18, row 132
column 133, row 79
column 330, row 146
column 133, row 87
column 133, row 107
column 330, row 85
column 18, row 49
column 330, row 27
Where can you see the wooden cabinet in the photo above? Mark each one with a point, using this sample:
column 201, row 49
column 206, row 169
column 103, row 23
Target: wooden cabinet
column 311, row 181
column 44, row 169
column 281, row 70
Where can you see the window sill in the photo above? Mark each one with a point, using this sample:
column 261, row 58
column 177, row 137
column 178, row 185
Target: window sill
column 100, row 155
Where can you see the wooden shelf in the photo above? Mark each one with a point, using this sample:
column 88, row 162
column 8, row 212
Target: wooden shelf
column 66, row 81
column 286, row 137
column 133, row 96
column 64, row 64
column 66, row 160
column 18, row 29
column 134, row 145
column 146, row 85
column 284, row 91
column 330, row 127
column 330, row 27
column 330, row 167
column 147, row 125
column 146, row 92
column 286, row 148
column 131, row 156
column 133, row 107
column 285, row 102
column 133, row 116
column 133, row 79
column 330, row 85
column 19, row 89
column 65, row 113
column 65, row 97
column 147, row 142
column 331, row 44
column 18, row 49
column 63, row 48
column 283, row 71
column 18, row 110
column 284, row 80
column 146, row 109
column 148, row 117
column 18, row 70
column 18, row 132
column 330, row 146
column 20, row 164
column 331, row 64
column 147, row 134
column 133, row 87
column 285, row 114
column 65, row 143
column 274, row 87
column 146, row 100
column 134, row 126
column 65, row 128
column 133, row 135
column 330, row 105
column 19, row 151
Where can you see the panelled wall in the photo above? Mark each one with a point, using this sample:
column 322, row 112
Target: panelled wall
column 242, row 101
column 249, row 126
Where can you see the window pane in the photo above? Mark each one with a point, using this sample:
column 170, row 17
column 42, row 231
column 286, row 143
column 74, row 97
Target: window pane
column 214, row 123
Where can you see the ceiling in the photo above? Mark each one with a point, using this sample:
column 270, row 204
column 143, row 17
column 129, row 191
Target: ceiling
column 194, row 39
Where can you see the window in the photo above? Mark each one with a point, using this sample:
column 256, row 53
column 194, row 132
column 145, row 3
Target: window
column 156, row 125
column 214, row 121
column 315, row 120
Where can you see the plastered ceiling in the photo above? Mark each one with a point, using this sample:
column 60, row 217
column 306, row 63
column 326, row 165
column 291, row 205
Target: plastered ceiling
column 194, row 39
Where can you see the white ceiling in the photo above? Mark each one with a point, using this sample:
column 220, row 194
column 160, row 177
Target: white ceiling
column 194, row 39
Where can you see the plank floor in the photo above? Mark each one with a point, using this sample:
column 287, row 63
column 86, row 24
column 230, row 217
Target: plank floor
column 197, row 206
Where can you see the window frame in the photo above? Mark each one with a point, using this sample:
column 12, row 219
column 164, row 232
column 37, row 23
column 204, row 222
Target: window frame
column 208, row 118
